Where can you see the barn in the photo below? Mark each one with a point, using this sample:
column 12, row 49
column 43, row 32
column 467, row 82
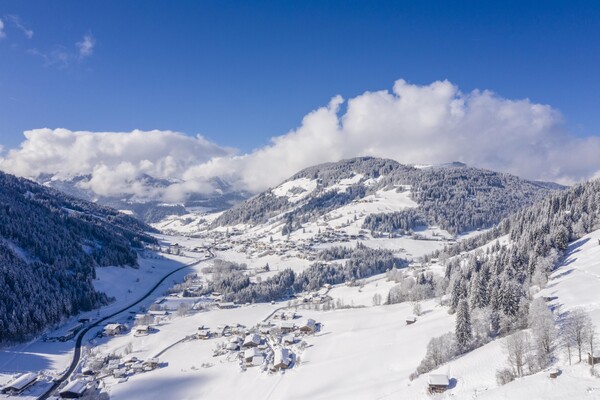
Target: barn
column 73, row 390
column 18, row 385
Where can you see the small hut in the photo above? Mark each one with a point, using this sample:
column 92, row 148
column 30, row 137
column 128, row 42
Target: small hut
column 593, row 359
column 437, row 383
column 411, row 319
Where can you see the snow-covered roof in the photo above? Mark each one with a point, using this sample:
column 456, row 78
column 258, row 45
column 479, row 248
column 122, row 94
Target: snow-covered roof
column 286, row 325
column 253, row 352
column 235, row 339
column 112, row 327
column 22, row 381
column 282, row 356
column 76, row 386
column 438, row 380
column 411, row 318
column 252, row 338
column 309, row 323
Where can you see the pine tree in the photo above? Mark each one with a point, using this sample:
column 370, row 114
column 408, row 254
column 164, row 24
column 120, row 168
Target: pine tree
column 463, row 330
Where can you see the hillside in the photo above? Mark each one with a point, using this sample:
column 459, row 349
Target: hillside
column 453, row 196
column 50, row 244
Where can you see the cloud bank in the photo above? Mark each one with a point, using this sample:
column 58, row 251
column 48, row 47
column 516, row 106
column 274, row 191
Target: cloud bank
column 432, row 123
column 117, row 163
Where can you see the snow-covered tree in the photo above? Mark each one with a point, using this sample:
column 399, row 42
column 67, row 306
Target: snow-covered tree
column 463, row 329
column 541, row 322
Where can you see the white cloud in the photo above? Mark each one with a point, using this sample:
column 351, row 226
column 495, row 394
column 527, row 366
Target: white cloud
column 433, row 123
column 2, row 33
column 16, row 21
column 86, row 45
column 116, row 161
column 63, row 57
column 423, row 124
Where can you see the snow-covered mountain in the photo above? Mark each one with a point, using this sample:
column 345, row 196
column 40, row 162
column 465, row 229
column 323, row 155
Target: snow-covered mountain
column 149, row 208
column 388, row 197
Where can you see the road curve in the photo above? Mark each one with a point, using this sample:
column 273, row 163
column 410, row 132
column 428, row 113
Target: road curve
column 79, row 340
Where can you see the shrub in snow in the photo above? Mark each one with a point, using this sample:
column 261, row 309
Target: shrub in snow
column 504, row 376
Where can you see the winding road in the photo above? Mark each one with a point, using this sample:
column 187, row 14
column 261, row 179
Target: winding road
column 81, row 335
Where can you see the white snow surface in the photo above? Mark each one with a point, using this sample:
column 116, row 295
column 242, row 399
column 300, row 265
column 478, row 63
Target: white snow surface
column 303, row 186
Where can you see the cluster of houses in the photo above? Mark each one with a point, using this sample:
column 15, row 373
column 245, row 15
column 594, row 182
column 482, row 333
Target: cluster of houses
column 269, row 345
column 318, row 297
column 300, row 247
column 102, row 366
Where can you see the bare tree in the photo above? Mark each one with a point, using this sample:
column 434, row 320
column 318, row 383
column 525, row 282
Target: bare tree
column 577, row 329
column 517, row 348
column 590, row 333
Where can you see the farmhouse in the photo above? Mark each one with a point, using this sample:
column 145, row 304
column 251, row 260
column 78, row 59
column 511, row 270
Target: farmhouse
column 203, row 333
column 114, row 329
column 73, row 390
column 308, row 326
column 150, row 364
column 252, row 340
column 287, row 326
column 20, row 384
column 282, row 359
column 253, row 357
column 223, row 330
column 289, row 339
column 114, row 365
column 437, row 383
column 142, row 330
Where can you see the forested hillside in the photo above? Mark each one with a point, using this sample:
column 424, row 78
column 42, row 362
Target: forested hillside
column 49, row 246
column 455, row 197
column 494, row 286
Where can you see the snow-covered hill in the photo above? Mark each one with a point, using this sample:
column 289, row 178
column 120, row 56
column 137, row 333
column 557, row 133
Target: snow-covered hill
column 453, row 196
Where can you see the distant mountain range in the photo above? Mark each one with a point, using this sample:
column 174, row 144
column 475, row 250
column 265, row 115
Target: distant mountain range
column 50, row 244
column 150, row 210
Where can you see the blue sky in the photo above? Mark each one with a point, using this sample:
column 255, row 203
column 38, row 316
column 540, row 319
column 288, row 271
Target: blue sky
column 242, row 72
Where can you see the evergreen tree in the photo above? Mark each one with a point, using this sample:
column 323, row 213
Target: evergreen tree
column 463, row 330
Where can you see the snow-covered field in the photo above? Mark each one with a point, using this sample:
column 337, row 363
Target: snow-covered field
column 366, row 352
column 359, row 353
